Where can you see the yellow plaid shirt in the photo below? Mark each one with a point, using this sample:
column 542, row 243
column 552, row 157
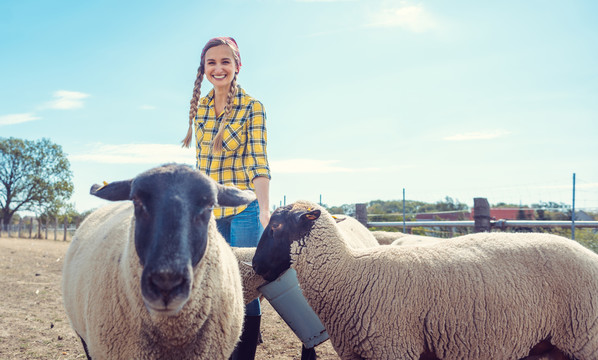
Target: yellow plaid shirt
column 243, row 156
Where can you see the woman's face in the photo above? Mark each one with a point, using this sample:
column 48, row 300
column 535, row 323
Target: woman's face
column 220, row 66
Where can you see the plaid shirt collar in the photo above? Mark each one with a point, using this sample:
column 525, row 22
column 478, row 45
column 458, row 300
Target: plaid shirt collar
column 238, row 100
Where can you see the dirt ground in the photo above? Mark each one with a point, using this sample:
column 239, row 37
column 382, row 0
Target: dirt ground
column 33, row 324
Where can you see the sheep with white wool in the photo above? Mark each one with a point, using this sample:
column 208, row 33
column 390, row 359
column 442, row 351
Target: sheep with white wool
column 480, row 296
column 387, row 237
column 250, row 280
column 152, row 278
column 415, row 240
column 355, row 234
column 399, row 238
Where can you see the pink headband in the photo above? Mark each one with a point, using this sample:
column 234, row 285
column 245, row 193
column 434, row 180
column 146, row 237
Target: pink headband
column 233, row 45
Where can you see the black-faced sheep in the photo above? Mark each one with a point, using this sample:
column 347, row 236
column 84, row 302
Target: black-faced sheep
column 151, row 278
column 480, row 296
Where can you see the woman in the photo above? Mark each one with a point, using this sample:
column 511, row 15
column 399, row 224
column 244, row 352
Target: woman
column 230, row 131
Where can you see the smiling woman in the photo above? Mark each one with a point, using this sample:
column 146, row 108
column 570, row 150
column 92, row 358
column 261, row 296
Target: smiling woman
column 230, row 134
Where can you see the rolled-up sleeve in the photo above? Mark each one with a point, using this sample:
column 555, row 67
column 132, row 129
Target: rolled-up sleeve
column 257, row 138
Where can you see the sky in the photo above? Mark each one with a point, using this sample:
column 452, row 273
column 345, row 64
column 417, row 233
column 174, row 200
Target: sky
column 364, row 98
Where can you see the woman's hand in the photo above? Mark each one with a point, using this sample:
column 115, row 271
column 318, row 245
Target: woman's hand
column 265, row 218
column 262, row 192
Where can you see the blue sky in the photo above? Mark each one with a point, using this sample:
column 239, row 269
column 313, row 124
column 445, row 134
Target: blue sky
column 364, row 98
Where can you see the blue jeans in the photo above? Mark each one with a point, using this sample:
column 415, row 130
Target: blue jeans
column 244, row 230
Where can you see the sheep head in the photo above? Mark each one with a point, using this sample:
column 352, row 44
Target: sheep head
column 287, row 224
column 173, row 206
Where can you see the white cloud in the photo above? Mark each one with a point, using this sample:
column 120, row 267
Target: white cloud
column 66, row 100
column 137, row 154
column 477, row 135
column 410, row 17
column 585, row 186
column 313, row 166
column 12, row 119
column 165, row 153
column 325, row 0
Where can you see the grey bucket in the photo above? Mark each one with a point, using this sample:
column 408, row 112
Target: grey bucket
column 285, row 296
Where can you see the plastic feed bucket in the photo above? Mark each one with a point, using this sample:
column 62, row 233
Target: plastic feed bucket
column 285, row 296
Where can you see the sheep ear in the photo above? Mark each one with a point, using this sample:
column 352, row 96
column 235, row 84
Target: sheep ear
column 231, row 196
column 338, row 220
column 310, row 216
column 118, row 190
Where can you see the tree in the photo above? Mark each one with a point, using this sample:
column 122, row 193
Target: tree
column 34, row 176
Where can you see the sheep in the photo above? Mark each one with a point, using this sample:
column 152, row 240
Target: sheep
column 249, row 279
column 387, row 237
column 399, row 238
column 355, row 233
column 152, row 278
column 479, row 296
column 415, row 240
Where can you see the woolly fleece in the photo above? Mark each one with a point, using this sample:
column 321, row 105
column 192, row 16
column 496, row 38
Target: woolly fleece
column 250, row 280
column 415, row 240
column 355, row 233
column 102, row 296
column 480, row 296
column 387, row 237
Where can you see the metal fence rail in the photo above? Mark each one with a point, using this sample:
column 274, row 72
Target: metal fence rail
column 500, row 224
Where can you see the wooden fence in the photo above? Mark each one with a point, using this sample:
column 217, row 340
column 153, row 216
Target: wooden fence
column 34, row 229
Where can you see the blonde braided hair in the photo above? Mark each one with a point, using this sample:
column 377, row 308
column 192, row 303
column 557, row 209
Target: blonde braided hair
column 217, row 142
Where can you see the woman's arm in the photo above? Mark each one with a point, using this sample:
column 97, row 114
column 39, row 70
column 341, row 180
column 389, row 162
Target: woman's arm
column 262, row 192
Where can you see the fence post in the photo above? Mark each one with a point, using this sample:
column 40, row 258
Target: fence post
column 361, row 214
column 2, row 227
column 30, row 227
column 47, row 220
column 65, row 225
column 19, row 228
column 481, row 215
column 55, row 228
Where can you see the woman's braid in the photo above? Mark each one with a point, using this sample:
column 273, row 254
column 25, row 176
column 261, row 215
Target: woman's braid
column 193, row 104
column 217, row 142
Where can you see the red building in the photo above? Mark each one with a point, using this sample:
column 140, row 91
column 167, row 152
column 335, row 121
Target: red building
column 511, row 214
column 495, row 214
column 444, row 216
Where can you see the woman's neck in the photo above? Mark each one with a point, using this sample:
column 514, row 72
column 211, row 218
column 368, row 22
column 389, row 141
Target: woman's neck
column 220, row 97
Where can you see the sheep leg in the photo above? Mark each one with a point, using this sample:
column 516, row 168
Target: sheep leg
column 308, row 354
column 545, row 350
column 85, row 347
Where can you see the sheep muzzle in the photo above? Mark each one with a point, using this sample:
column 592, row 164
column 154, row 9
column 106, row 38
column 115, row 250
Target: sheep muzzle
column 166, row 291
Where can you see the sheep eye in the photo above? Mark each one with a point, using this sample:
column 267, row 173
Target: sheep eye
column 139, row 206
column 203, row 214
column 277, row 226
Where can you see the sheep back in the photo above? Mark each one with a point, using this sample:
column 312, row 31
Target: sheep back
column 355, row 233
column 415, row 240
column 463, row 298
column 387, row 237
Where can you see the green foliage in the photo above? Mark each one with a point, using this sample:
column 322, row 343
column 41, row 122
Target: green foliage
column 587, row 237
column 392, row 211
column 34, row 176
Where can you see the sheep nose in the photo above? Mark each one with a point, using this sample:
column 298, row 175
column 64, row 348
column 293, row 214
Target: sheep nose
column 166, row 281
